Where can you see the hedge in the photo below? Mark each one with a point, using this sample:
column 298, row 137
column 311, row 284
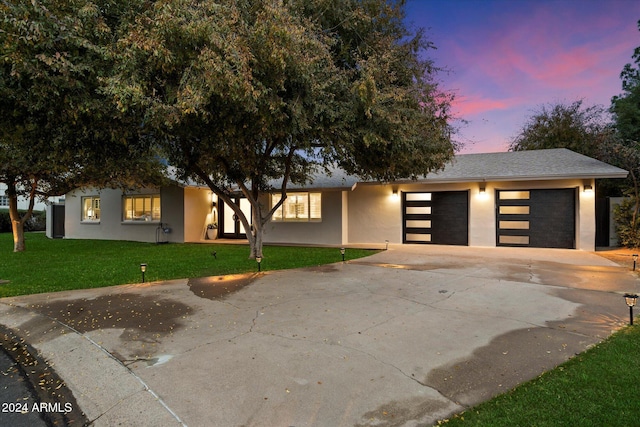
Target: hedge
column 37, row 222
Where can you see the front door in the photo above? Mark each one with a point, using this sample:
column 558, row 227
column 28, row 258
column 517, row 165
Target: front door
column 232, row 227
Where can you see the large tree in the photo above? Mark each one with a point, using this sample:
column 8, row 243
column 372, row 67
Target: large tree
column 56, row 131
column 625, row 151
column 241, row 94
column 583, row 129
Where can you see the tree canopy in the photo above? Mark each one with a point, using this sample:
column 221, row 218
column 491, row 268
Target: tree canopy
column 241, row 93
column 583, row 129
column 56, row 131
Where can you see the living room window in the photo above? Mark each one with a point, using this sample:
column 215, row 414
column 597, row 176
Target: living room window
column 91, row 208
column 298, row 207
column 141, row 208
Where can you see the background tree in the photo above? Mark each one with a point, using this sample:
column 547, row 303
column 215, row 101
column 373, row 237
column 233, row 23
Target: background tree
column 56, row 132
column 583, row 129
column 242, row 94
column 625, row 151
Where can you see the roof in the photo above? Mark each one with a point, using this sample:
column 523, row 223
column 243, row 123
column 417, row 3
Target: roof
column 555, row 163
column 532, row 165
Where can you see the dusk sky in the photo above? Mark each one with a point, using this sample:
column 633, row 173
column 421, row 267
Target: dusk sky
column 507, row 58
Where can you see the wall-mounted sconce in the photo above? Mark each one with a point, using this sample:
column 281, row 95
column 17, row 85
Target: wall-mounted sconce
column 394, row 194
column 588, row 188
column 482, row 190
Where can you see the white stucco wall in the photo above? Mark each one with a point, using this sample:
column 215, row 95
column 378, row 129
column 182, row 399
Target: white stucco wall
column 111, row 226
column 328, row 231
column 375, row 216
column 198, row 212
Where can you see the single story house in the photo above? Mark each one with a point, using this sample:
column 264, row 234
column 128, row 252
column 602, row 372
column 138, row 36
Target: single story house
column 541, row 198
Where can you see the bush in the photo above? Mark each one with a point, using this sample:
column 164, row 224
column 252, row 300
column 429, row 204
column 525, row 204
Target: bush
column 37, row 222
column 628, row 233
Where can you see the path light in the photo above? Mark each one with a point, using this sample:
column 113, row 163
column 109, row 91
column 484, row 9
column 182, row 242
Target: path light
column 635, row 260
column 259, row 260
column 342, row 251
column 143, row 268
column 631, row 300
column 386, row 245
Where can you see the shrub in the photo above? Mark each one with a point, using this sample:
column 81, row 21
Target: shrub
column 628, row 232
column 37, row 222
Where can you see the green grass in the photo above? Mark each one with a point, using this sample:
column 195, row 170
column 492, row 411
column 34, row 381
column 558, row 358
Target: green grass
column 600, row 387
column 55, row 265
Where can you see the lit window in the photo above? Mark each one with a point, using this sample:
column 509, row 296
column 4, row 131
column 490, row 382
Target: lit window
column 141, row 208
column 91, row 208
column 4, row 201
column 298, row 207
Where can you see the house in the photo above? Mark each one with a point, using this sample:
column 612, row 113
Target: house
column 23, row 202
column 541, row 198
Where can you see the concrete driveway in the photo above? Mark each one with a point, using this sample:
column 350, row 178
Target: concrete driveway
column 402, row 338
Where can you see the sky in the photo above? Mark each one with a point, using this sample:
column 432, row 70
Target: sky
column 508, row 58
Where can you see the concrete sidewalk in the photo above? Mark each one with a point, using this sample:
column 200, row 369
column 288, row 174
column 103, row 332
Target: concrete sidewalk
column 404, row 337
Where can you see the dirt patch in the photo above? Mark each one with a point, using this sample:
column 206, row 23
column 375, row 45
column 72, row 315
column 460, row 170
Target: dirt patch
column 220, row 287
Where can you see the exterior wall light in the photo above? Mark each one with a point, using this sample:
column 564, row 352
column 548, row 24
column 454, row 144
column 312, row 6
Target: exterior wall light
column 483, row 190
column 342, row 251
column 588, row 188
column 143, row 269
column 635, row 260
column 259, row 261
column 631, row 300
column 394, row 194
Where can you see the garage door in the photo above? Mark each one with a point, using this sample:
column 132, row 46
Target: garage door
column 536, row 218
column 440, row 218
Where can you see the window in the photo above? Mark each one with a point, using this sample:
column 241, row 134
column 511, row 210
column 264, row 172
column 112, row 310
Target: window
column 298, row 207
column 91, row 208
column 4, row 201
column 141, row 208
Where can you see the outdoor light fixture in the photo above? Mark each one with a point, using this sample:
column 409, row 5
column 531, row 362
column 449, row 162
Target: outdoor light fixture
column 394, row 194
column 631, row 300
column 342, row 251
column 483, row 190
column 259, row 261
column 386, row 245
column 635, row 260
column 588, row 188
column 143, row 268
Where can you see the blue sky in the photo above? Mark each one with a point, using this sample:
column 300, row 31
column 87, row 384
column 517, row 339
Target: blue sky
column 507, row 58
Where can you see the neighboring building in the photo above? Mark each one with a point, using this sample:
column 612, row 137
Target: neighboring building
column 23, row 202
column 542, row 198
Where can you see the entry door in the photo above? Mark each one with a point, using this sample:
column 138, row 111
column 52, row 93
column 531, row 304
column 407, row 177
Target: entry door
column 232, row 227
column 440, row 218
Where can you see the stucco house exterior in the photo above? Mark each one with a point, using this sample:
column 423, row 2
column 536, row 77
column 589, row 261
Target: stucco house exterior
column 541, row 198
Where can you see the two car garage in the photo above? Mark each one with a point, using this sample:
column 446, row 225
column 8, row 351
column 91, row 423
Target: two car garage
column 543, row 218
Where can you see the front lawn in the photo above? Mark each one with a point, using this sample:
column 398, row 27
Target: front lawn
column 50, row 265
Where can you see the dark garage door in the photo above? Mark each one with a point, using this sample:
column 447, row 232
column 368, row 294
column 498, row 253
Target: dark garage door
column 536, row 218
column 440, row 218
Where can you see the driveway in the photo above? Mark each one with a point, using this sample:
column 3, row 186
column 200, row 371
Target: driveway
column 405, row 337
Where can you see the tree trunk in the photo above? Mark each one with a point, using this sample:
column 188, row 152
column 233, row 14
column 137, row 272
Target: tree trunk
column 17, row 223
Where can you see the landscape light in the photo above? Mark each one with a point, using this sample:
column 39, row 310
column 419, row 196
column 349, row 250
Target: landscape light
column 342, row 251
column 635, row 260
column 631, row 300
column 143, row 268
column 259, row 260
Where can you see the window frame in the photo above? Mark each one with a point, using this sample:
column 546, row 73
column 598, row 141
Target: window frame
column 148, row 215
column 293, row 206
column 84, row 209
